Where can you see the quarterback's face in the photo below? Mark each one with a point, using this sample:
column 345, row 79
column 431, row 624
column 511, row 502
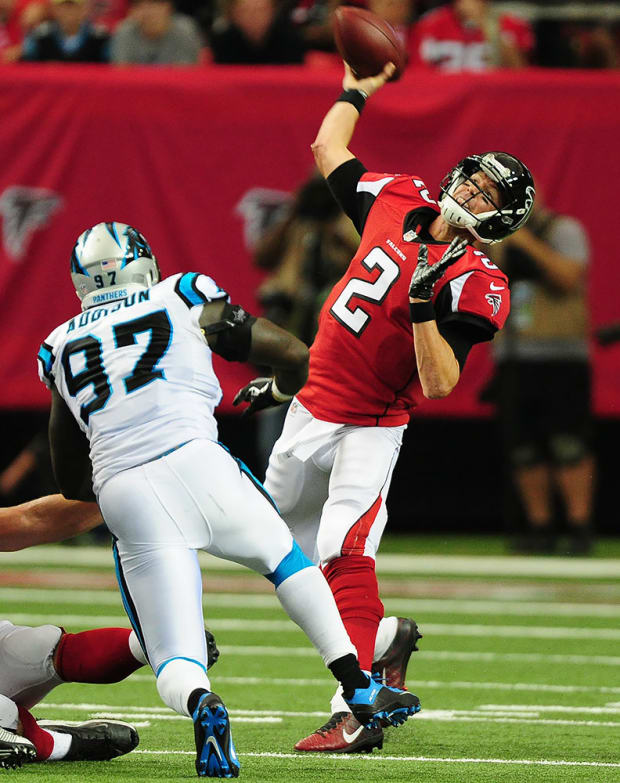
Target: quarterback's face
column 478, row 194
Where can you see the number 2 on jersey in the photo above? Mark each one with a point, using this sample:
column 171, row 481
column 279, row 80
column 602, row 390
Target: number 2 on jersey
column 356, row 319
column 94, row 374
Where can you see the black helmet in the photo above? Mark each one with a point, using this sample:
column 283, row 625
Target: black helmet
column 516, row 188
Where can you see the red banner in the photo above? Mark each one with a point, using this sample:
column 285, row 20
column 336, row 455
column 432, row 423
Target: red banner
column 192, row 156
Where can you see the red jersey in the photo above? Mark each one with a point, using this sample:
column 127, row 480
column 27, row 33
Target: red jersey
column 362, row 363
column 441, row 40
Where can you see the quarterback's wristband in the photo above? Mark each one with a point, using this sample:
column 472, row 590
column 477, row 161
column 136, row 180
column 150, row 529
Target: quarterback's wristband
column 355, row 97
column 421, row 312
column 277, row 395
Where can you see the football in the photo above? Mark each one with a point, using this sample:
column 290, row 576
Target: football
column 366, row 42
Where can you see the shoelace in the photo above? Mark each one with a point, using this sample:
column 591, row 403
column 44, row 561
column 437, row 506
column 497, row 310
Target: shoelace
column 333, row 722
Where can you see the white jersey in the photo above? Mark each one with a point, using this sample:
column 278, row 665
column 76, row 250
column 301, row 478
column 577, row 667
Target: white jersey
column 137, row 374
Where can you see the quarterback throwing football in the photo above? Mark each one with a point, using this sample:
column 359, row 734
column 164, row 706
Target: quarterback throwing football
column 397, row 328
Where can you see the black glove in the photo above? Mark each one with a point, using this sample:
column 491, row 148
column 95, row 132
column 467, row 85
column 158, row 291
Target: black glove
column 425, row 276
column 260, row 394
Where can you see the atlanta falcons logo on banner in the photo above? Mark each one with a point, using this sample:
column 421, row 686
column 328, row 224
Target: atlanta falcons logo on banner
column 24, row 210
column 495, row 300
column 261, row 208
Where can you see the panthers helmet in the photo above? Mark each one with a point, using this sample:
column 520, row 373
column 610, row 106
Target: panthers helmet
column 110, row 261
column 516, row 188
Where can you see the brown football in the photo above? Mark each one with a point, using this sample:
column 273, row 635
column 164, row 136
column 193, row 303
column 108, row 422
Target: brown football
column 366, row 42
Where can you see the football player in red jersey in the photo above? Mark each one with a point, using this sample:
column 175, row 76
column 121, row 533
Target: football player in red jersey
column 397, row 328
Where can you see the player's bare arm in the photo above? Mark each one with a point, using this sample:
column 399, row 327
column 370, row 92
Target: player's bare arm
column 70, row 452
column 438, row 368
column 45, row 520
column 330, row 148
column 286, row 355
column 237, row 336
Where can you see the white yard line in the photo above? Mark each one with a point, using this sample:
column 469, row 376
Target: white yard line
column 525, row 715
column 435, row 565
column 447, row 684
column 579, row 709
column 372, row 757
column 25, row 595
column 287, row 626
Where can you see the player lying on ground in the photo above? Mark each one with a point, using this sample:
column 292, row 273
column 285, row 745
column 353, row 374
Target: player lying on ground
column 396, row 329
column 37, row 660
column 133, row 388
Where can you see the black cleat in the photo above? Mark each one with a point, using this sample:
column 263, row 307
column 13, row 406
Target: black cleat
column 216, row 756
column 380, row 705
column 96, row 740
column 342, row 733
column 212, row 652
column 391, row 668
column 15, row 750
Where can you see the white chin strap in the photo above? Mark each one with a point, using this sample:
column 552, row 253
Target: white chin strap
column 458, row 216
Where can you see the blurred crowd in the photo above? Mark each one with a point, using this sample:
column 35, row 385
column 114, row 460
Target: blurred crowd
column 451, row 35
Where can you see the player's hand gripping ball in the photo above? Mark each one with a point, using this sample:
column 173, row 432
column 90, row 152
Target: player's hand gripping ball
column 366, row 42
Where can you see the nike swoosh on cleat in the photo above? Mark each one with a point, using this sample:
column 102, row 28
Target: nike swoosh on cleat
column 213, row 741
column 349, row 738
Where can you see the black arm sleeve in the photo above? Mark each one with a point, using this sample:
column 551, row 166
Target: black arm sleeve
column 343, row 185
column 460, row 330
column 234, row 333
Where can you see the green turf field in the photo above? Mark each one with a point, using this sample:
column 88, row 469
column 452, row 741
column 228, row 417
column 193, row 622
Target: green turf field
column 518, row 671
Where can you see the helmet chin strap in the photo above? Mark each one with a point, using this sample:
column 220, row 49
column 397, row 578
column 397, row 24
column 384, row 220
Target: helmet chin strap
column 459, row 216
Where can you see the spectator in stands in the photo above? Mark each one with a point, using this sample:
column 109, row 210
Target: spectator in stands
column 107, row 13
column 67, row 37
column 543, row 389
column 256, row 32
column 470, row 35
column 153, row 34
column 17, row 18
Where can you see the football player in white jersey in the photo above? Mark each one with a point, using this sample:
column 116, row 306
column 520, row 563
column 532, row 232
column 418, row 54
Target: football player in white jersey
column 133, row 388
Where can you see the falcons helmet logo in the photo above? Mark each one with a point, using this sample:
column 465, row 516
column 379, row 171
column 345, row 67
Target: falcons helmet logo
column 25, row 210
column 495, row 300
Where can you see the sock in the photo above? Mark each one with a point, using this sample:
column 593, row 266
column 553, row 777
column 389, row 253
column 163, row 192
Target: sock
column 385, row 636
column 41, row 739
column 348, row 673
column 136, row 649
column 102, row 655
column 62, row 745
column 178, row 680
column 194, row 698
column 353, row 582
column 308, row 601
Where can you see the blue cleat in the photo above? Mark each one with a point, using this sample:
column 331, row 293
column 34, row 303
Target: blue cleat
column 215, row 750
column 380, row 705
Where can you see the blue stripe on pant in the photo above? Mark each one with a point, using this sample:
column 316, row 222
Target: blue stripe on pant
column 127, row 601
column 293, row 562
